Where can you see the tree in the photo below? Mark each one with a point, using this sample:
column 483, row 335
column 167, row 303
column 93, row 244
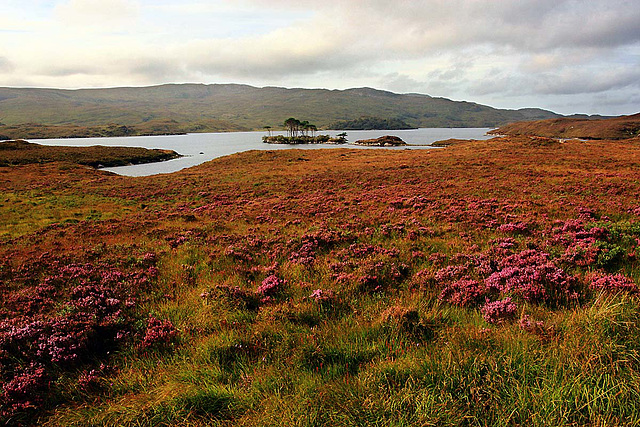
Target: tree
column 292, row 125
column 304, row 127
column 268, row 128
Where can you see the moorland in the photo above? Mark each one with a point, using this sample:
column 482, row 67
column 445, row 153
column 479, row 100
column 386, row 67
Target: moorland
column 623, row 127
column 19, row 152
column 488, row 283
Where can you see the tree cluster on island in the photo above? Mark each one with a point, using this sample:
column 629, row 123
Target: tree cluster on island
column 301, row 132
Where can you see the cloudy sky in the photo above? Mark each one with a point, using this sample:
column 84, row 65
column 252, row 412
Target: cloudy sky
column 565, row 55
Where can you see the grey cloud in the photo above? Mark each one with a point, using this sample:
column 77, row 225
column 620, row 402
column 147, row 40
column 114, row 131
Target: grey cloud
column 499, row 83
column 65, row 71
column 400, row 83
column 580, row 82
column 617, row 102
column 456, row 71
column 269, row 57
column 533, row 25
column 615, row 99
column 569, row 81
column 265, row 67
column 539, row 25
column 154, row 68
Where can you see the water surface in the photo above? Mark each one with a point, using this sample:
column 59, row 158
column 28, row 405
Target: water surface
column 201, row 147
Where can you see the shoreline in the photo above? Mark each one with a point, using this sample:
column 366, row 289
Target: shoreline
column 39, row 136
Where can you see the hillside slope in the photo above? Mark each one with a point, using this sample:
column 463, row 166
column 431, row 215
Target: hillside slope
column 612, row 128
column 244, row 106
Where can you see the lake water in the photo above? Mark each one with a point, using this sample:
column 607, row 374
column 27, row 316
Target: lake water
column 201, row 147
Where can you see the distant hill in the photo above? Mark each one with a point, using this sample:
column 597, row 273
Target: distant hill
column 151, row 127
column 623, row 127
column 238, row 107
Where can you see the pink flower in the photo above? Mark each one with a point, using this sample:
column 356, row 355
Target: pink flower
column 270, row 286
column 613, row 283
column 158, row 332
column 498, row 311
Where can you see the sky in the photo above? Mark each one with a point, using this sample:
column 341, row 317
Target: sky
column 567, row 56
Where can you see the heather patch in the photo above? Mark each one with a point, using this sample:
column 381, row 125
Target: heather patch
column 79, row 313
column 499, row 311
column 531, row 276
column 612, row 283
column 417, row 287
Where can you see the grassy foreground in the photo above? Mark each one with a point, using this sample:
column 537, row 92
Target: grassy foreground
column 491, row 283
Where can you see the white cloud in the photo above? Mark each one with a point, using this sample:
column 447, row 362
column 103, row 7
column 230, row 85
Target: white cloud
column 97, row 13
column 5, row 65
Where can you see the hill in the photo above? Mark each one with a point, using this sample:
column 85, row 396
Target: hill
column 623, row 127
column 243, row 107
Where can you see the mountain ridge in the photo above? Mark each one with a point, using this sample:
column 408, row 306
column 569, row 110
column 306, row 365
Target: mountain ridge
column 244, row 106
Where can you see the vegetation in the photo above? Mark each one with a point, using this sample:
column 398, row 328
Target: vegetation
column 383, row 141
column 304, row 139
column 22, row 152
column 492, row 283
column 612, row 128
column 301, row 132
column 366, row 123
column 449, row 142
column 297, row 128
column 155, row 127
column 211, row 108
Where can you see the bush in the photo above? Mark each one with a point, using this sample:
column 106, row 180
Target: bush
column 159, row 333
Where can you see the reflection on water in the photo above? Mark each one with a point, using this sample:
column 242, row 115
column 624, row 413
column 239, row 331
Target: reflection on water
column 201, row 147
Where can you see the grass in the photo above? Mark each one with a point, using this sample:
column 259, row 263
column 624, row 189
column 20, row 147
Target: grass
column 355, row 330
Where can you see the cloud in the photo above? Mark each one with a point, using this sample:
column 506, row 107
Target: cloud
column 498, row 50
column 416, row 27
column 299, row 49
column 581, row 82
column 97, row 14
column 5, row 65
column 566, row 81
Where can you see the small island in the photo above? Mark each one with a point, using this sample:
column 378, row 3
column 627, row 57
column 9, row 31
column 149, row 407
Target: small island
column 383, row 141
column 302, row 132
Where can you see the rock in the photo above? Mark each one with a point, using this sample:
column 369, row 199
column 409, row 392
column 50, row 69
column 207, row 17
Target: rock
column 383, row 141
